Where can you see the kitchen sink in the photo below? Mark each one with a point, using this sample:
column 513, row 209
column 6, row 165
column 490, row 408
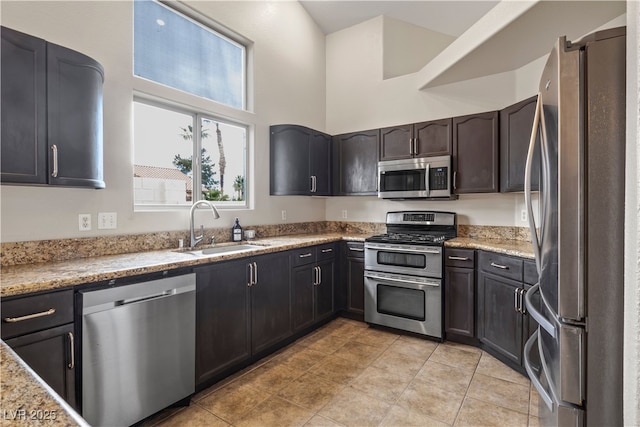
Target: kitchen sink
column 221, row 250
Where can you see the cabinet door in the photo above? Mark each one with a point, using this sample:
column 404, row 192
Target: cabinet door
column 74, row 96
column 50, row 354
column 516, row 122
column 499, row 324
column 459, row 301
column 396, row 142
column 355, row 161
column 223, row 334
column 24, row 108
column 475, row 153
column 290, row 172
column 355, row 285
column 320, row 158
column 302, row 296
column 434, row 138
column 324, row 290
column 270, row 302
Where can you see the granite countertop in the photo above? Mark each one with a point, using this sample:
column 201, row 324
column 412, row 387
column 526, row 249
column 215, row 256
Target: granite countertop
column 27, row 400
column 29, row 278
column 519, row 248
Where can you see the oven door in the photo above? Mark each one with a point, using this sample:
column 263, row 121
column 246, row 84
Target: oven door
column 407, row 303
column 403, row 259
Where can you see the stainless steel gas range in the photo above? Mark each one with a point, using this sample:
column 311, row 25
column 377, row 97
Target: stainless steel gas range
column 403, row 272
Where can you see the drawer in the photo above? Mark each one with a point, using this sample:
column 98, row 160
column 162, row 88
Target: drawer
column 355, row 249
column 324, row 252
column 501, row 265
column 34, row 313
column 464, row 258
column 303, row 256
column 530, row 272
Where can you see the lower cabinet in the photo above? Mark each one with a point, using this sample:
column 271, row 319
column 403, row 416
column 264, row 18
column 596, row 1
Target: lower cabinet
column 502, row 323
column 242, row 308
column 459, row 293
column 312, row 285
column 354, row 279
column 40, row 330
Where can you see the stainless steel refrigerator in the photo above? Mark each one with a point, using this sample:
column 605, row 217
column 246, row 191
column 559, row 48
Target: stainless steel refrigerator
column 575, row 357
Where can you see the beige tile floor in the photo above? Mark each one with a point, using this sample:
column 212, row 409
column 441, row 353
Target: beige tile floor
column 349, row 374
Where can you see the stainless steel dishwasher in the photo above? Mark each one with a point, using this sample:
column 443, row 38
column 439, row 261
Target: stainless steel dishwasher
column 138, row 349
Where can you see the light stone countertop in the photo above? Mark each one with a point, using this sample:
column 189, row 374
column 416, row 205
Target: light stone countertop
column 519, row 248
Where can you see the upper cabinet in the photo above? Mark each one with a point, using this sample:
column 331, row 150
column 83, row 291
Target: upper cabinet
column 433, row 138
column 475, row 153
column 51, row 114
column 355, row 163
column 300, row 161
column 516, row 123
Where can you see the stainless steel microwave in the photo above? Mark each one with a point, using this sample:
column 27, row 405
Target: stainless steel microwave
column 427, row 177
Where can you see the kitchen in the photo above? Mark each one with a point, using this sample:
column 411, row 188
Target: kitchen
column 345, row 82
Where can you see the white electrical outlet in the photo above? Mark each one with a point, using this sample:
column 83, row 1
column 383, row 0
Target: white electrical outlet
column 523, row 215
column 84, row 222
column 284, row 215
column 344, row 214
column 107, row 220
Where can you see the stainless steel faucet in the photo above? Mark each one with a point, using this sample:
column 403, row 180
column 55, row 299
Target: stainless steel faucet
column 197, row 239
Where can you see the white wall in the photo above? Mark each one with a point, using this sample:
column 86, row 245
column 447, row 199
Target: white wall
column 289, row 86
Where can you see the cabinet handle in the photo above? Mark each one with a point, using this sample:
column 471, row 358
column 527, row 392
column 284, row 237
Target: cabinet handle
column 455, row 175
column 54, row 150
column 458, row 258
column 324, row 251
column 411, row 146
column 356, row 249
column 315, row 274
column 523, row 309
column 30, row 316
column 71, row 364
column 500, row 266
column 415, row 145
column 250, row 282
column 255, row 273
column 319, row 275
column 314, row 183
column 305, row 255
column 515, row 300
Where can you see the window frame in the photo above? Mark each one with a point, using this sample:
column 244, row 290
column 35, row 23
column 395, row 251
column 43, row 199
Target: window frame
column 198, row 107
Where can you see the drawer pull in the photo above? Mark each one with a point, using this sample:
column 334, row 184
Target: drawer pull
column 30, row 316
column 458, row 258
column 503, row 267
column 305, row 255
column 356, row 249
column 324, row 251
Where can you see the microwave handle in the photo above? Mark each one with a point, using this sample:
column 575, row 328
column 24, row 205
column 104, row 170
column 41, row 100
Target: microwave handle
column 426, row 179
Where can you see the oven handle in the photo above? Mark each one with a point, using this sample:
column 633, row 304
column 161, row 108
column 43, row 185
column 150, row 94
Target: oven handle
column 393, row 279
column 422, row 251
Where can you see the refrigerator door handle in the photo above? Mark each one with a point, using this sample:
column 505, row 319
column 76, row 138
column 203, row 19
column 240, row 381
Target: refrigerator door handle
column 533, row 311
column 527, row 182
column 544, row 394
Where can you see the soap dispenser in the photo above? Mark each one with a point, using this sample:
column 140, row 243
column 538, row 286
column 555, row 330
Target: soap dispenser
column 236, row 231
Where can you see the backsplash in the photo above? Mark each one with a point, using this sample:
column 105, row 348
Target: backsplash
column 41, row 251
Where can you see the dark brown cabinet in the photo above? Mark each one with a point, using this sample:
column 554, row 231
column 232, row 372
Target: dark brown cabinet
column 40, row 330
column 300, row 161
column 312, row 285
column 476, row 153
column 355, row 279
column 459, row 295
column 433, row 138
column 51, row 114
column 516, row 123
column 355, row 163
column 223, row 318
column 242, row 309
column 502, row 323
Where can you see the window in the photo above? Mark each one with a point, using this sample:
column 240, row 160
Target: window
column 184, row 153
column 164, row 171
column 176, row 51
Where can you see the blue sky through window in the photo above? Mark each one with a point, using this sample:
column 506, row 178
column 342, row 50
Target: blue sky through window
column 175, row 51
